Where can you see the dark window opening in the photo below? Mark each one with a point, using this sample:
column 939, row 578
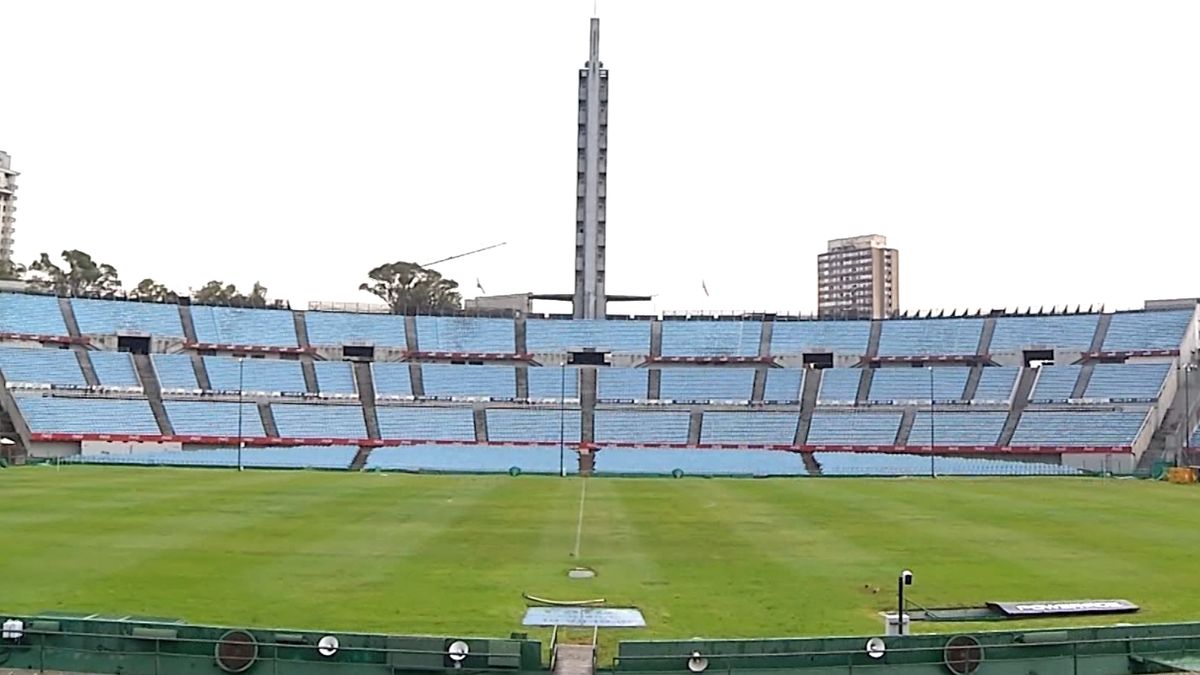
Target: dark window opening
column 587, row 358
column 133, row 344
column 358, row 353
column 1039, row 357
column 819, row 361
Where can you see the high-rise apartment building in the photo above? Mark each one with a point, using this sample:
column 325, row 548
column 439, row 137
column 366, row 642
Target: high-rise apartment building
column 8, row 187
column 858, row 278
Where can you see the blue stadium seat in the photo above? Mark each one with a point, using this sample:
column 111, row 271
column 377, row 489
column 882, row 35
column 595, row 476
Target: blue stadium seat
column 854, row 428
column 957, row 428
column 547, row 383
column 783, row 385
column 338, row 328
column 887, row 464
column 802, row 337
column 913, row 384
column 87, row 415
column 556, row 336
column 1131, row 331
column 316, row 420
column 839, row 385
column 909, row 337
column 213, row 418
column 621, row 384
column 1054, row 384
column 426, row 423
column 1104, row 428
column 257, row 375
column 664, row 462
column 41, row 366
column 31, row 314
column 119, row 317
column 996, row 384
column 299, row 457
column 473, row 459
column 711, row 338
column 335, row 377
column 444, row 380
column 751, row 428
column 238, row 326
column 465, row 334
column 175, row 372
column 1073, row 331
column 545, row 426
column 391, row 380
column 114, row 369
column 688, row 385
column 1127, row 381
column 624, row 426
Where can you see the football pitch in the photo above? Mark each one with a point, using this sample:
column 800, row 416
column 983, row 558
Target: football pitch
column 453, row 554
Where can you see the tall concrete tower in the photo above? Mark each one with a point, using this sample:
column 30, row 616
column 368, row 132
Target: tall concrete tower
column 8, row 186
column 590, row 300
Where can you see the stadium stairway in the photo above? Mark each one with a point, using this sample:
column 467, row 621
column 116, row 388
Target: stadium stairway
column 864, row 386
column 310, row 375
column 985, row 338
column 1020, row 399
column 808, row 404
column 149, row 380
column 366, row 394
column 587, row 404
column 268, row 419
column 574, row 659
column 201, row 372
column 906, row 425
column 1082, row 380
column 972, row 385
column 85, row 364
column 360, row 458
column 68, row 314
column 758, row 388
column 695, row 426
column 481, row 431
column 1101, row 333
column 189, row 326
column 811, row 463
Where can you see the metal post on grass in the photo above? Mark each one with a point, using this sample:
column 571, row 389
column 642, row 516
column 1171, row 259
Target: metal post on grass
column 562, row 420
column 905, row 579
column 241, row 367
column 932, row 427
column 1187, row 411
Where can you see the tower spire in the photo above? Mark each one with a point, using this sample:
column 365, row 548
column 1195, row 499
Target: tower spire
column 590, row 301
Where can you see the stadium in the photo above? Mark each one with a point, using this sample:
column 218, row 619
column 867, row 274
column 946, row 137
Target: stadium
column 220, row 488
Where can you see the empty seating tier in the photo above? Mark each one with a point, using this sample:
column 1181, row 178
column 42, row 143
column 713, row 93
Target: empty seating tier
column 314, row 420
column 711, row 338
column 749, row 428
column 917, row 384
column 887, row 464
column 1127, row 381
column 214, row 418
column 663, row 462
column 238, row 326
column 783, row 385
column 803, row 337
column 115, row 317
column 551, row 384
column 59, row 367
column 300, row 457
column 996, row 385
column 335, row 378
column 31, row 314
column 336, row 328
column 48, row 415
column 1015, row 333
column 557, row 336
column 623, row 426
column 956, row 428
column 839, row 386
column 918, row 337
column 1055, row 384
column 1082, row 428
column 254, row 375
column 688, row 385
column 533, row 426
column 465, row 335
column 114, row 369
column 1132, row 331
column 424, row 423
column 621, row 384
column 467, row 382
column 175, row 372
column 392, row 380
column 856, row 428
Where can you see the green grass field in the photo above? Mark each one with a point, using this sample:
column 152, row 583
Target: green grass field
column 452, row 555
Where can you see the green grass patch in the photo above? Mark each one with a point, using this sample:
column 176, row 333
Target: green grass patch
column 452, row 555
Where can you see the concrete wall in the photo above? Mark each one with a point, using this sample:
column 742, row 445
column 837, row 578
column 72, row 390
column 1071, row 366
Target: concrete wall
column 128, row 448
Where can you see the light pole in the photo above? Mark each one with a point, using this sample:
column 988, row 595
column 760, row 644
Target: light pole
column 562, row 420
column 241, row 370
column 905, row 579
column 932, row 428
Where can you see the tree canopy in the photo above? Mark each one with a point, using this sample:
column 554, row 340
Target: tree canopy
column 219, row 293
column 149, row 289
column 79, row 275
column 408, row 287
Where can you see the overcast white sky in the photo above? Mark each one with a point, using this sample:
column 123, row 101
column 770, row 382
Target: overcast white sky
column 1017, row 153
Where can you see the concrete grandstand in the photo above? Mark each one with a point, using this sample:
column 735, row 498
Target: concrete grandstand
column 122, row 381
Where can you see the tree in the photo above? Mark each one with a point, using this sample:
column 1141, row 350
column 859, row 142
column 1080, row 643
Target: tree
column 149, row 289
column 406, row 286
column 219, row 293
column 10, row 271
column 82, row 276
